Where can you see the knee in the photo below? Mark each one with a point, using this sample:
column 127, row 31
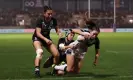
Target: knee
column 56, row 54
column 39, row 53
column 60, row 72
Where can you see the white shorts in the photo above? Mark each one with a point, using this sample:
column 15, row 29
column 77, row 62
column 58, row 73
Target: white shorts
column 76, row 53
column 79, row 51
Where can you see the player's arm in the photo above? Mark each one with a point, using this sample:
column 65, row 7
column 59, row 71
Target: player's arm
column 78, row 31
column 58, row 31
column 66, row 47
column 38, row 32
column 61, row 44
column 96, row 56
column 97, row 51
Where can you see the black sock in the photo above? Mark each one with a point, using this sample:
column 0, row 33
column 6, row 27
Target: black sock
column 65, row 69
column 37, row 66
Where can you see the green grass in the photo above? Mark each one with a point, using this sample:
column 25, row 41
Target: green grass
column 115, row 62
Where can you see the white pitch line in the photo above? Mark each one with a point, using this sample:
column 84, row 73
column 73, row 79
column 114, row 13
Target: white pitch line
column 116, row 52
column 111, row 51
column 61, row 78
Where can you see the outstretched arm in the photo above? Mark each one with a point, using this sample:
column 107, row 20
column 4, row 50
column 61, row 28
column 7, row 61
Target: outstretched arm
column 96, row 56
column 78, row 31
column 97, row 51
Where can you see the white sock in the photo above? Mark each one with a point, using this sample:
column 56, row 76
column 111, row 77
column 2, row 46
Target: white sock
column 60, row 67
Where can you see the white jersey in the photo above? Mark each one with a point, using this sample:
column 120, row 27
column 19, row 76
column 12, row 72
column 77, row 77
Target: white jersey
column 80, row 47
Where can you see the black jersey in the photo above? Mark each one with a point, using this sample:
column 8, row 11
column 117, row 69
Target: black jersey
column 95, row 42
column 45, row 26
column 66, row 43
column 91, row 42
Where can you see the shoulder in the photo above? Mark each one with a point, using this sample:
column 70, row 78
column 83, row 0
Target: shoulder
column 62, row 39
column 54, row 19
column 72, row 41
column 97, row 39
column 40, row 19
column 39, row 22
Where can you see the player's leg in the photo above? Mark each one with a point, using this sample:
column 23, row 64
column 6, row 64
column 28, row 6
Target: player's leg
column 60, row 72
column 49, row 61
column 70, row 62
column 78, row 62
column 77, row 65
column 62, row 61
column 66, row 67
column 52, row 49
column 39, row 53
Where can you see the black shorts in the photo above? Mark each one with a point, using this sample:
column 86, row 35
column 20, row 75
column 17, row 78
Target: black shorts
column 63, row 57
column 34, row 38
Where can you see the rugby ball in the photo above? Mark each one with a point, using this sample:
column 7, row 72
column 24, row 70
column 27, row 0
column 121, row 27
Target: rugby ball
column 61, row 46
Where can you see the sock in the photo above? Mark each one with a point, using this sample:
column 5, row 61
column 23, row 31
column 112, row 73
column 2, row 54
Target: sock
column 65, row 69
column 60, row 67
column 37, row 68
column 53, row 65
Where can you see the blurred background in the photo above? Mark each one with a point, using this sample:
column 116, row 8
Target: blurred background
column 106, row 13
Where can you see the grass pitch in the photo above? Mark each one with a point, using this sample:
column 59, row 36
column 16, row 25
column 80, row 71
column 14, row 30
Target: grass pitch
column 115, row 62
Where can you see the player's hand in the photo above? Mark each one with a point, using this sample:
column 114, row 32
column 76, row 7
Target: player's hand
column 96, row 60
column 71, row 46
column 49, row 42
column 60, row 35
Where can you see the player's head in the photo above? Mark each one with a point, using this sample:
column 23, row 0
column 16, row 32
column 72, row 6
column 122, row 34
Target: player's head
column 70, row 36
column 94, row 34
column 92, row 27
column 90, row 24
column 47, row 12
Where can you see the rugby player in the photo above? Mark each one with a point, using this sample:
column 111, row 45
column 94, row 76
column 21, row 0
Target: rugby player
column 74, row 56
column 41, row 37
column 65, row 41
